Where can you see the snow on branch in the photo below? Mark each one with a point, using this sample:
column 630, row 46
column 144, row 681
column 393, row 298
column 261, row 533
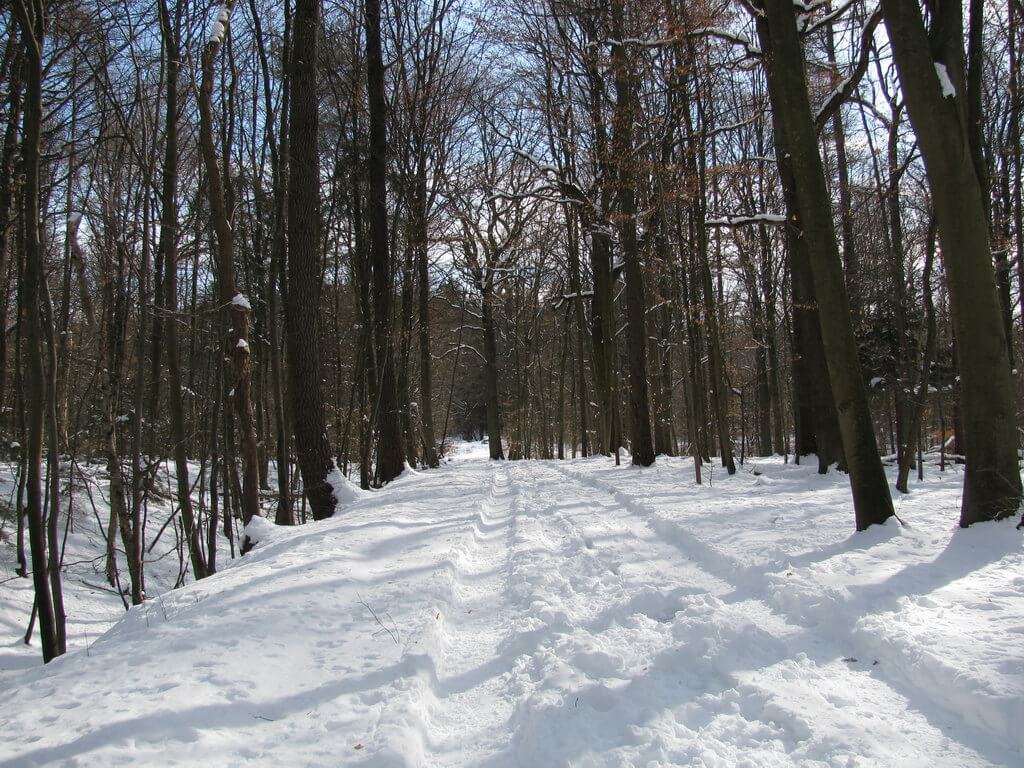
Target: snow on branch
column 807, row 28
column 730, row 37
column 220, row 24
column 559, row 300
column 664, row 42
column 744, row 221
column 457, row 347
column 806, row 8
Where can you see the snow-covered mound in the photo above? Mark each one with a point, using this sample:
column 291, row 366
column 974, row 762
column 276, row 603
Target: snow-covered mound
column 565, row 613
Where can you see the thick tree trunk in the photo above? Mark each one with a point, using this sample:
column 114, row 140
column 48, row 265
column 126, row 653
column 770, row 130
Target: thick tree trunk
column 784, row 65
column 931, row 73
column 390, row 455
column 8, row 154
column 602, row 309
column 277, row 289
column 304, row 272
column 641, row 444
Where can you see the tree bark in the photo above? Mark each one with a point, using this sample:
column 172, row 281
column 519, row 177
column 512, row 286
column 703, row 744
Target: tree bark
column 992, row 486
column 390, row 455
column 31, row 20
column 491, row 373
column 641, row 444
column 169, row 250
column 784, row 64
column 237, row 307
column 304, row 272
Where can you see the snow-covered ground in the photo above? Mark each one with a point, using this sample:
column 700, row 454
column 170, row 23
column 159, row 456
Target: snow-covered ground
column 556, row 614
column 91, row 604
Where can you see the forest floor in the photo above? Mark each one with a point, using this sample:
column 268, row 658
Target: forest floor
column 552, row 614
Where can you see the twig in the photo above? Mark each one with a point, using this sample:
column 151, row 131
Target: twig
column 376, row 618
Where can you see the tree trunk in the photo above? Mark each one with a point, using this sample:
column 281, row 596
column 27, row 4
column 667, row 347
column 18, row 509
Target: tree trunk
column 390, row 455
column 304, row 273
column 31, row 20
column 421, row 244
column 784, row 64
column 916, row 410
column 641, row 444
column 169, row 250
column 237, row 307
column 929, row 68
column 491, row 374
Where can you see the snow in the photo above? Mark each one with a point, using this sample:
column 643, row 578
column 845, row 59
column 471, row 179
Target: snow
column 260, row 530
column 240, row 301
column 561, row 614
column 242, row 344
column 739, row 221
column 345, row 491
column 731, row 37
column 948, row 91
column 92, row 607
column 220, row 24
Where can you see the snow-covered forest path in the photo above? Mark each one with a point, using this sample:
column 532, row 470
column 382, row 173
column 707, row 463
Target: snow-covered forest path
column 565, row 613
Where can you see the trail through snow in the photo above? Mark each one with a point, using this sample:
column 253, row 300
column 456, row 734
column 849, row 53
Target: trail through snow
column 565, row 614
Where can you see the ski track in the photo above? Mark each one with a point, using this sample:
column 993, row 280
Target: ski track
column 527, row 614
column 820, row 624
column 800, row 684
column 458, row 699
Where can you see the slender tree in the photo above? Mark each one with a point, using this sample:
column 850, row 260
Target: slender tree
column 32, row 22
column 237, row 306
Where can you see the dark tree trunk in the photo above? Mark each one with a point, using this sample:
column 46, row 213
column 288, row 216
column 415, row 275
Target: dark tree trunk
column 491, row 373
column 304, row 270
column 602, row 310
column 787, row 87
column 641, row 444
column 421, row 244
column 916, row 410
column 31, row 20
column 719, row 387
column 390, row 455
column 236, row 306
column 169, row 252
column 851, row 266
column 992, row 486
